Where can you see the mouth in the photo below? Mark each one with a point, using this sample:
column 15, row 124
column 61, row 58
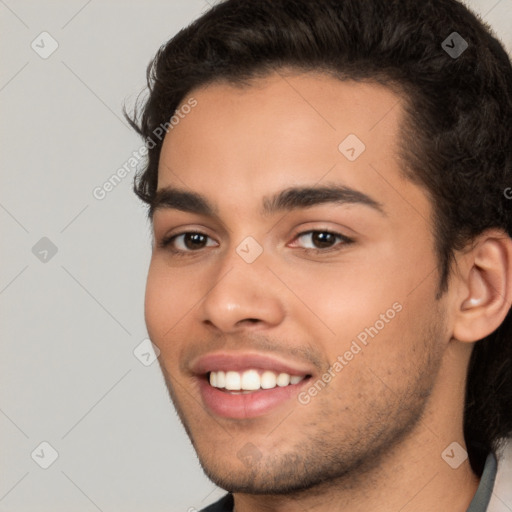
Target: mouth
column 247, row 386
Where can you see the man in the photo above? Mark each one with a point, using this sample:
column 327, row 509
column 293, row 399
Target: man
column 331, row 274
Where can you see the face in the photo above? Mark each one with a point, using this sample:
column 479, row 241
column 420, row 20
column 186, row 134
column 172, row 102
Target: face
column 292, row 284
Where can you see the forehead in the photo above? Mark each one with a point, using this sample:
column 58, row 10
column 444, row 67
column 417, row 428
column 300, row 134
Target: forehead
column 284, row 130
column 308, row 104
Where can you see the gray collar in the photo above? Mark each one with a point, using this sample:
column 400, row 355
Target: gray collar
column 480, row 501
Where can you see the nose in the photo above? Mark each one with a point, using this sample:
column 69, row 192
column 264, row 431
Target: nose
column 243, row 296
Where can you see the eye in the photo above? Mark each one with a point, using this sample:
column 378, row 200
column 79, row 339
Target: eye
column 320, row 240
column 187, row 242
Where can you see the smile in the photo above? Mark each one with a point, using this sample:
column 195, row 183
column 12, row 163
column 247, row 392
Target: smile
column 238, row 385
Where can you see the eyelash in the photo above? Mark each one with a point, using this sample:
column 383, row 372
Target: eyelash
column 166, row 243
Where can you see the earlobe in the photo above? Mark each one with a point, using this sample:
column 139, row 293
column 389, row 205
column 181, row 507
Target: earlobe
column 487, row 288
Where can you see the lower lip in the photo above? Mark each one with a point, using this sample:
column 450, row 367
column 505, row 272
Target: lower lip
column 247, row 405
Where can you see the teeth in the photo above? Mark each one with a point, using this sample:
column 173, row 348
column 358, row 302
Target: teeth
column 268, row 380
column 221, row 379
column 233, row 381
column 252, row 380
column 283, row 379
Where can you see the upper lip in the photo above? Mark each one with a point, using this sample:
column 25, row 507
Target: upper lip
column 238, row 361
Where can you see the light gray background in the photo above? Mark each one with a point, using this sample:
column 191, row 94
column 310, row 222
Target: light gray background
column 70, row 324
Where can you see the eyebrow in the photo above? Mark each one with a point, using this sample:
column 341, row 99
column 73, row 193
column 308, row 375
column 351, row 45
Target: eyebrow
column 182, row 200
column 289, row 199
column 305, row 197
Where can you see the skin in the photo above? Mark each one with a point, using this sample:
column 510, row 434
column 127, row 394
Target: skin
column 373, row 438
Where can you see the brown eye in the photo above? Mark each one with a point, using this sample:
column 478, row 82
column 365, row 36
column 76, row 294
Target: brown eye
column 321, row 240
column 194, row 241
column 187, row 242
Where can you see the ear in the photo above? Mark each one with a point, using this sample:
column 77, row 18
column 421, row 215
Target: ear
column 484, row 294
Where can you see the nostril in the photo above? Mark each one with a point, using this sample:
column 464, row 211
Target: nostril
column 249, row 321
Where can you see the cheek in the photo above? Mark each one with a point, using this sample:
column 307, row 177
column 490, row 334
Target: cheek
column 341, row 299
column 166, row 301
column 382, row 294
